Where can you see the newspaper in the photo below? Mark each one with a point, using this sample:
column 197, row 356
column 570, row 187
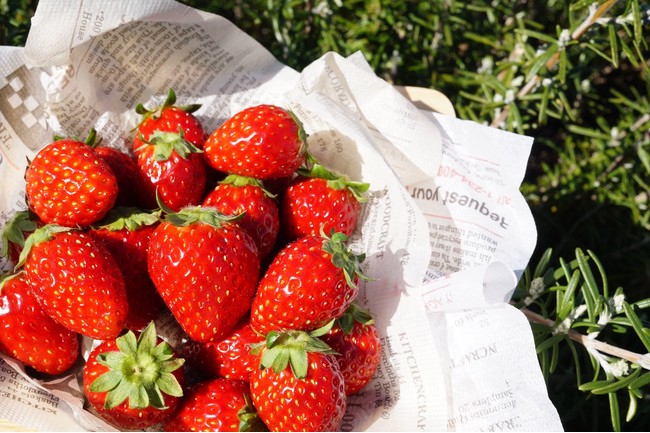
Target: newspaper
column 445, row 230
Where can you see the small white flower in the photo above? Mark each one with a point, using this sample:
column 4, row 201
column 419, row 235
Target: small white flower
column 517, row 81
column 547, row 82
column 534, row 291
column 564, row 39
column 585, row 85
column 486, row 65
column 616, row 303
column 564, row 326
column 498, row 98
column 619, row 368
column 322, row 9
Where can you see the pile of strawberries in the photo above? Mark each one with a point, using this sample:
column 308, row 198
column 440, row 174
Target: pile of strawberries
column 241, row 234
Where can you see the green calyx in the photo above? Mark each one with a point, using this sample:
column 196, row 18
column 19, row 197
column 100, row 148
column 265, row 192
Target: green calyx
column 165, row 143
column 41, row 234
column 129, row 218
column 140, row 372
column 240, row 181
column 290, row 348
column 343, row 257
column 170, row 101
column 249, row 419
column 196, row 215
column 302, row 135
column 354, row 314
column 91, row 139
column 334, row 180
column 19, row 224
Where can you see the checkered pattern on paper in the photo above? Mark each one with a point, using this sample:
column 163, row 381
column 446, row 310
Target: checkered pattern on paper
column 20, row 92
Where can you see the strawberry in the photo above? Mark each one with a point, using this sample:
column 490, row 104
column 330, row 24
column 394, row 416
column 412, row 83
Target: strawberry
column 356, row 339
column 125, row 232
column 167, row 147
column 28, row 334
column 76, row 281
column 126, row 172
column 264, row 142
column 230, row 357
column 319, row 198
column 68, row 184
column 309, row 282
column 205, row 268
column 134, row 383
column 239, row 194
column 299, row 385
column 169, row 117
column 216, row 405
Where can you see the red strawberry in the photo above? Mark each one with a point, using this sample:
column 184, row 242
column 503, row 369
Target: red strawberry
column 126, row 172
column 28, row 334
column 299, row 386
column 230, row 357
column 355, row 338
column 169, row 117
column 238, row 194
column 319, row 198
column 205, row 268
column 216, row 405
column 264, row 142
column 17, row 228
column 76, row 281
column 68, row 184
column 125, row 232
column 309, row 282
column 134, row 383
column 167, row 147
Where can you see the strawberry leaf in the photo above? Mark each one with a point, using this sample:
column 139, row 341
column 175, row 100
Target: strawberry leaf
column 130, row 218
column 117, row 395
column 198, row 214
column 41, row 234
column 140, row 371
column 343, row 258
column 335, row 180
column 15, row 229
column 106, row 381
column 168, row 384
column 249, row 419
column 354, row 314
column 127, row 343
column 290, row 348
column 238, row 180
column 323, row 329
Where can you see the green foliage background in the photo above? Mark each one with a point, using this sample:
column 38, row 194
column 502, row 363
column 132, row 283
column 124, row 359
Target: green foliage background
column 515, row 65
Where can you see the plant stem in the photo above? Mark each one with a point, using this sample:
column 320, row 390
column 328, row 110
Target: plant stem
column 635, row 358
